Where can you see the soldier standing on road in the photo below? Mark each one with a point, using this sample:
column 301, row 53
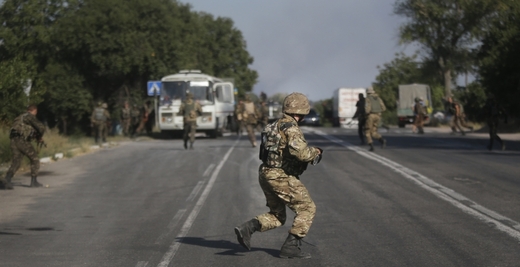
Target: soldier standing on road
column 264, row 118
column 135, row 119
column 126, row 118
column 249, row 118
column 239, row 119
column 285, row 156
column 145, row 113
column 374, row 106
column 420, row 113
column 493, row 112
column 98, row 121
column 458, row 119
column 190, row 110
column 360, row 116
column 26, row 127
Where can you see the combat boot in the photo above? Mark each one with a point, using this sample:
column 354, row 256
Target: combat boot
column 383, row 142
column 291, row 248
column 185, row 144
column 191, row 145
column 34, row 182
column 245, row 231
column 6, row 184
column 371, row 147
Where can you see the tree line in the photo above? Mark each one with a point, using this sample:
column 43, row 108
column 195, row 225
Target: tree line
column 73, row 53
column 458, row 39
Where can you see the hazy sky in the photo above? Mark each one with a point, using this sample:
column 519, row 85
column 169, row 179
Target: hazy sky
column 312, row 46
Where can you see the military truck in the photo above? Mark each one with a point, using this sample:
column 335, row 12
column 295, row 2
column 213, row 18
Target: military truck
column 407, row 95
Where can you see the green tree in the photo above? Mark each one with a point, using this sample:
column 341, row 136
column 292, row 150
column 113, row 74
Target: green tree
column 13, row 79
column 447, row 30
column 499, row 56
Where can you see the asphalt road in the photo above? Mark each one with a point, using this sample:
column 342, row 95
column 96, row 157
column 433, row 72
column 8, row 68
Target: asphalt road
column 425, row 200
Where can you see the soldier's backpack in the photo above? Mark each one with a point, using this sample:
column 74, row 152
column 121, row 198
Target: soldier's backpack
column 270, row 149
column 374, row 104
column 99, row 114
column 21, row 128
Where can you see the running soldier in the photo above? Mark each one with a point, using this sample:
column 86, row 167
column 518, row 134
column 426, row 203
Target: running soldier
column 285, row 156
column 26, row 127
column 419, row 110
column 374, row 106
column 458, row 119
column 190, row 110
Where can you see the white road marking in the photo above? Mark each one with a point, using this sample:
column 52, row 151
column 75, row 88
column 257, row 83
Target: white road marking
column 142, row 264
column 195, row 191
column 502, row 223
column 208, row 170
column 173, row 223
column 174, row 247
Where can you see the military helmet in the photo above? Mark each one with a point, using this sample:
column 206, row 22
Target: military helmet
column 99, row 103
column 370, row 90
column 296, row 103
column 417, row 99
column 189, row 95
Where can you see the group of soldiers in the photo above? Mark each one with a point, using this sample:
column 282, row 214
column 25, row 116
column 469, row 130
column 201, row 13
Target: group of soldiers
column 133, row 120
column 368, row 113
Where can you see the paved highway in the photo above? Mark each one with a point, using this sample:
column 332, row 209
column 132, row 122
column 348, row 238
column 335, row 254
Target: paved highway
column 426, row 200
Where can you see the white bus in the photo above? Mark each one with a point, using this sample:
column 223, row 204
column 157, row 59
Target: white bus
column 214, row 95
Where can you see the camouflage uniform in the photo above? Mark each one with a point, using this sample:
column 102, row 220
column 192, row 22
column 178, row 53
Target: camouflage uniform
column 420, row 114
column 285, row 156
column 99, row 119
column 458, row 120
column 373, row 108
column 190, row 110
column 25, row 128
column 249, row 115
column 282, row 185
column 145, row 113
column 135, row 119
column 126, row 119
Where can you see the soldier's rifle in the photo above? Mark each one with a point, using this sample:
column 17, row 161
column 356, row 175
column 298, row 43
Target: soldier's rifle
column 40, row 143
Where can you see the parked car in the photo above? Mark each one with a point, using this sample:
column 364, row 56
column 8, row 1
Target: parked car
column 312, row 119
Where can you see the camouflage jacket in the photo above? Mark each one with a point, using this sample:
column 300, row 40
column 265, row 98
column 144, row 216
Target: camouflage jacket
column 27, row 125
column 293, row 149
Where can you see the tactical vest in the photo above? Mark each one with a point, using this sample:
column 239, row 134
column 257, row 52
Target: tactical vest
column 20, row 127
column 249, row 113
column 271, row 148
column 99, row 114
column 190, row 112
column 374, row 104
column 125, row 113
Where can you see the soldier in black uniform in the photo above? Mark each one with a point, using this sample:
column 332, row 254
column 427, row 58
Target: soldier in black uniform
column 26, row 127
column 361, row 117
column 493, row 112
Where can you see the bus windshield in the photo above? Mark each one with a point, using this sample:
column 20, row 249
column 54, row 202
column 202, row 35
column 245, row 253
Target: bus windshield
column 176, row 91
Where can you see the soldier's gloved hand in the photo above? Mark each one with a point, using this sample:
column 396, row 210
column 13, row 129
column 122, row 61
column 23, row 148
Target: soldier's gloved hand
column 318, row 158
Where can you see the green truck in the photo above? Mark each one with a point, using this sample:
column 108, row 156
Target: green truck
column 407, row 95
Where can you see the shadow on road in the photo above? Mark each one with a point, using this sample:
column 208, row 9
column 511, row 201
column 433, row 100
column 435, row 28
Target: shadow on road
column 231, row 248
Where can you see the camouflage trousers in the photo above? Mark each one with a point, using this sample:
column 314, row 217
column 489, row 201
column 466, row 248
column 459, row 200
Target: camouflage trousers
column 189, row 131
column 371, row 125
column 282, row 190
column 457, row 122
column 251, row 132
column 19, row 149
column 125, row 124
column 100, row 131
